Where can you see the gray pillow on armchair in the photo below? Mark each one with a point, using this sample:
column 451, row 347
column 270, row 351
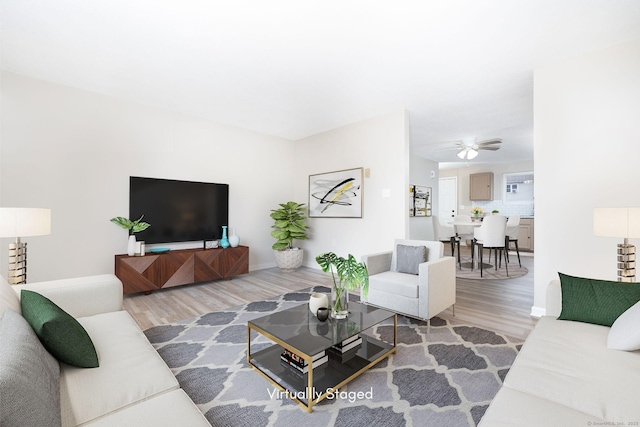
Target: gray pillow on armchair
column 408, row 258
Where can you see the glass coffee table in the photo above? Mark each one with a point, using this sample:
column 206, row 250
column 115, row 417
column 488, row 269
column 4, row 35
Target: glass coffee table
column 298, row 331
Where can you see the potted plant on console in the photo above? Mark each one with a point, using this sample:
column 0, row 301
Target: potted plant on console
column 351, row 275
column 133, row 227
column 289, row 225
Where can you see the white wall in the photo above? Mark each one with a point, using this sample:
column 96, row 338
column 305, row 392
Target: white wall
column 421, row 228
column 380, row 144
column 73, row 151
column 587, row 152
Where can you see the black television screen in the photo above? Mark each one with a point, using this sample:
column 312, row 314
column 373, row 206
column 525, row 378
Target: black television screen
column 178, row 211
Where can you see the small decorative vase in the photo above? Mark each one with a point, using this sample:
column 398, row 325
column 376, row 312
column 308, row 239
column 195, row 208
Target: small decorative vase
column 339, row 302
column 323, row 315
column 317, row 301
column 234, row 240
column 224, row 242
column 131, row 248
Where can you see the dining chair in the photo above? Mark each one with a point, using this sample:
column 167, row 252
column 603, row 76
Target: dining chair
column 443, row 233
column 462, row 232
column 513, row 227
column 491, row 235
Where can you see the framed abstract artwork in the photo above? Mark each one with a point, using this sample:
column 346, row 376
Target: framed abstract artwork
column 420, row 201
column 336, row 194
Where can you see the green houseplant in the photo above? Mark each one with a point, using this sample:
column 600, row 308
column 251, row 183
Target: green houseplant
column 289, row 225
column 350, row 275
column 133, row 227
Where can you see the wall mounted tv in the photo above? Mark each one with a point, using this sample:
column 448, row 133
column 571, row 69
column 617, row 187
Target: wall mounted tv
column 178, row 211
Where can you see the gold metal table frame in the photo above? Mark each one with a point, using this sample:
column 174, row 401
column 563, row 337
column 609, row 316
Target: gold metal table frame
column 267, row 361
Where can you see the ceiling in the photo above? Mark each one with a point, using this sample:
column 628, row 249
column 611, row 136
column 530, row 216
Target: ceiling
column 294, row 68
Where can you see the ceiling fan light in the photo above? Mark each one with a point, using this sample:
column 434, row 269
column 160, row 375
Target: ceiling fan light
column 471, row 154
column 462, row 153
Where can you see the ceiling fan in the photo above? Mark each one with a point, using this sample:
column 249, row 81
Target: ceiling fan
column 468, row 147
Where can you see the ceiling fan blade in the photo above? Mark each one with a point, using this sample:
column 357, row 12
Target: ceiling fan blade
column 489, row 148
column 490, row 142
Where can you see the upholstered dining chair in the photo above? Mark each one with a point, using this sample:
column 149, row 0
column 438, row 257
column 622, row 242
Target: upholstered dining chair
column 491, row 235
column 463, row 232
column 443, row 233
column 513, row 227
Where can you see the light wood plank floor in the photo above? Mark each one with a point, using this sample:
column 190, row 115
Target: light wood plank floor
column 499, row 305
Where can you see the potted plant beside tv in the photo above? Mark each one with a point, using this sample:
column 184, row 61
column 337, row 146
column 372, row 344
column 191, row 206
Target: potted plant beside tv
column 289, row 225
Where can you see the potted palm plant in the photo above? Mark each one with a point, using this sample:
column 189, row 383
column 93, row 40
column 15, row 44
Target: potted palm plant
column 289, row 225
column 350, row 274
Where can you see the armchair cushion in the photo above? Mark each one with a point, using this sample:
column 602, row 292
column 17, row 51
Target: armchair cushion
column 410, row 257
column 396, row 283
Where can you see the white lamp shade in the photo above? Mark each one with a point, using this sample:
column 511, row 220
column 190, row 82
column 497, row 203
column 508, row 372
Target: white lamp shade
column 617, row 222
column 24, row 222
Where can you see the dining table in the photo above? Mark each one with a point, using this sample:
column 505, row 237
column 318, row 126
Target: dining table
column 474, row 261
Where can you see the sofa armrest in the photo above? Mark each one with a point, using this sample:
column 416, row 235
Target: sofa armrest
column 377, row 263
column 81, row 296
column 554, row 299
column 437, row 286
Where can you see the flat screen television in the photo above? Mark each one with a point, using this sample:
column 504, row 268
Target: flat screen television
column 178, row 211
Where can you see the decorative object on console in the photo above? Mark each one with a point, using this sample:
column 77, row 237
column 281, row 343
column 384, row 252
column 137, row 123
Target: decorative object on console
column 336, row 194
column 224, row 242
column 289, row 225
column 317, row 301
column 234, row 240
column 623, row 223
column 351, row 275
column 133, row 227
column 22, row 222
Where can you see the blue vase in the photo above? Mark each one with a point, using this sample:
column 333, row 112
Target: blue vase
column 224, row 242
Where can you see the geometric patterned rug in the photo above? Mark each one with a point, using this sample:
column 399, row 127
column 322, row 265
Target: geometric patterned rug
column 445, row 375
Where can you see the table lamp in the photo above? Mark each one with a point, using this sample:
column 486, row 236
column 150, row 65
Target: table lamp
column 22, row 222
column 623, row 223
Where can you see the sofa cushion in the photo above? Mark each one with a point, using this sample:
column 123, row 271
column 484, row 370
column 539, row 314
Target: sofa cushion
column 625, row 331
column 8, row 297
column 29, row 376
column 130, row 371
column 596, row 301
column 410, row 257
column 396, row 283
column 166, row 410
column 58, row 331
column 569, row 363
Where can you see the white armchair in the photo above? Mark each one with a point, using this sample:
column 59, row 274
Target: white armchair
column 422, row 295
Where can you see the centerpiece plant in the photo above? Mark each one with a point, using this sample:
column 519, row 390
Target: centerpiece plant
column 347, row 274
column 477, row 211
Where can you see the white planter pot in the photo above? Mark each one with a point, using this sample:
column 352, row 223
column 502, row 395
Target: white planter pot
column 289, row 260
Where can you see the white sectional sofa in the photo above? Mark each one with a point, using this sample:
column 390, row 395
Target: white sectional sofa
column 565, row 375
column 131, row 387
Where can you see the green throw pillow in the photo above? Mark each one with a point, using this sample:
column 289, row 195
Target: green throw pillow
column 58, row 331
column 596, row 301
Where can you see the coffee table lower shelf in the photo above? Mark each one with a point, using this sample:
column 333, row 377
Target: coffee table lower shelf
column 326, row 379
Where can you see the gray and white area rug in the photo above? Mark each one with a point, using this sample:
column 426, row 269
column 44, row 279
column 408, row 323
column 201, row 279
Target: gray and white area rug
column 445, row 375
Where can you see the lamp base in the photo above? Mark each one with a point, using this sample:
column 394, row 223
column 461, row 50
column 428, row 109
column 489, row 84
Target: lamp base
column 17, row 263
column 626, row 262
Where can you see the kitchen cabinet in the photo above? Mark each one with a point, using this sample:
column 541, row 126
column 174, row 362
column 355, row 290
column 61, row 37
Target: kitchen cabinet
column 525, row 234
column 481, row 186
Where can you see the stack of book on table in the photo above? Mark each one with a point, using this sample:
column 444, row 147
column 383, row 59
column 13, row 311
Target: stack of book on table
column 300, row 365
column 345, row 350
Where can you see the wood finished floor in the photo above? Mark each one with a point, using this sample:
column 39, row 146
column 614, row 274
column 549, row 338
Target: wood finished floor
column 499, row 305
